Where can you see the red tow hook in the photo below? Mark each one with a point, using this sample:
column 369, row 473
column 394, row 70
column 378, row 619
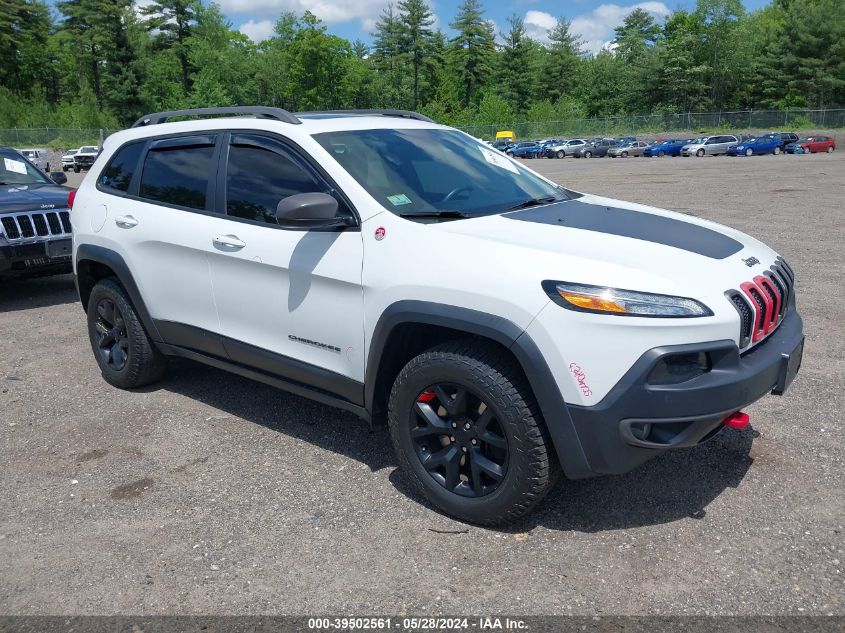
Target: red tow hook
column 738, row 420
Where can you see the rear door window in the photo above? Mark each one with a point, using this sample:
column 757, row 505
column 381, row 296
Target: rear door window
column 177, row 171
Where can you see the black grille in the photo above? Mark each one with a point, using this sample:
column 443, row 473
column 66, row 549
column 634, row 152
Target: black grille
column 65, row 215
column 26, row 226
column 40, row 224
column 55, row 224
column 746, row 318
column 10, row 228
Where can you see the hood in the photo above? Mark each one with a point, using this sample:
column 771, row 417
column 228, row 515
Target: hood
column 601, row 241
column 32, row 197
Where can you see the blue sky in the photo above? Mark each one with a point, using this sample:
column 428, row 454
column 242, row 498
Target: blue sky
column 354, row 19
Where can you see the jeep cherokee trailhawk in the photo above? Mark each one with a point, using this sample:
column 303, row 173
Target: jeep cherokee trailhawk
column 506, row 327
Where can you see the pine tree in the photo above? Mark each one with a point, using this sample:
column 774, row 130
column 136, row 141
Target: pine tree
column 173, row 20
column 416, row 38
column 562, row 60
column 519, row 62
column 473, row 50
column 388, row 58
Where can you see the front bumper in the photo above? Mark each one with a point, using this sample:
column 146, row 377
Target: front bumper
column 637, row 420
column 32, row 259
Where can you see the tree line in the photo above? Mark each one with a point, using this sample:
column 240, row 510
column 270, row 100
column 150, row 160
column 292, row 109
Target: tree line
column 103, row 63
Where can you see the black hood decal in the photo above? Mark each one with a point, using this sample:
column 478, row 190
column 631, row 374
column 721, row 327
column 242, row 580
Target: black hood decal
column 634, row 224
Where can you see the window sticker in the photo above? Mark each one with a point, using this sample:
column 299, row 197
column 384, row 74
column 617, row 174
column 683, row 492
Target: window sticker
column 495, row 158
column 399, row 199
column 16, row 166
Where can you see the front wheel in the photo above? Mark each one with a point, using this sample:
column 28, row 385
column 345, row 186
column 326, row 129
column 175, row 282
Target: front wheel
column 469, row 435
column 588, row 154
column 661, row 154
column 749, row 152
column 700, row 153
column 76, row 169
column 561, row 154
column 624, row 154
column 125, row 354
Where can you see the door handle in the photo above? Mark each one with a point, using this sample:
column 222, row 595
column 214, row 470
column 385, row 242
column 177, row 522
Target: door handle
column 229, row 242
column 125, row 221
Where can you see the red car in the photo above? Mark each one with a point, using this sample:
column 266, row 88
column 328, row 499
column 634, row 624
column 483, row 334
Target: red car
column 811, row 145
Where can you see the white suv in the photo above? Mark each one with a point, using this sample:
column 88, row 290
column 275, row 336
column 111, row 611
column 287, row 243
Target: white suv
column 506, row 327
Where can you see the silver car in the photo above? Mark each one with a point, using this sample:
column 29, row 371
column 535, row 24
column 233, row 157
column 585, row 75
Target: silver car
column 709, row 145
column 632, row 148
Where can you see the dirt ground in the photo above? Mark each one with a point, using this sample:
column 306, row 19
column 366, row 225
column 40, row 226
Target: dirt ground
column 212, row 494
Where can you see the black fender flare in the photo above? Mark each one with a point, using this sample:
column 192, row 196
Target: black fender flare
column 114, row 261
column 555, row 412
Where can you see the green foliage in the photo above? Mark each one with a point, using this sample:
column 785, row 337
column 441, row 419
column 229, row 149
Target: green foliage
column 101, row 63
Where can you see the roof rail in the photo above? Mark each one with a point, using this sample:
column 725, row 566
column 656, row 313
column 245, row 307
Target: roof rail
column 262, row 112
column 405, row 114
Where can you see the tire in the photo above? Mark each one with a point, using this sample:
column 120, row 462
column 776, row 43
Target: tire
column 700, row 153
column 749, row 152
column 776, row 151
column 76, row 169
column 132, row 360
column 560, row 154
column 64, row 168
column 47, row 168
column 519, row 450
column 830, row 149
column 509, row 154
column 624, row 154
column 588, row 154
column 661, row 154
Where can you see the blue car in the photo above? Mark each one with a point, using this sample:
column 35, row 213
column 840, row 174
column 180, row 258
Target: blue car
column 525, row 149
column 759, row 145
column 671, row 147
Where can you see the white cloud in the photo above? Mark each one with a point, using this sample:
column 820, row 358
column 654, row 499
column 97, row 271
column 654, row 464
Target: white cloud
column 257, row 31
column 596, row 27
column 329, row 11
column 538, row 24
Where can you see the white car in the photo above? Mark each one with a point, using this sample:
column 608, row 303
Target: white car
column 37, row 157
column 567, row 148
column 67, row 159
column 506, row 327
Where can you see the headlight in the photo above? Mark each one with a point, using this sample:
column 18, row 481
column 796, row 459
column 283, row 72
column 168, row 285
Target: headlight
column 603, row 300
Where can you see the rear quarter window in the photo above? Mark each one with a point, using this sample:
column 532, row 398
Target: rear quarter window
column 121, row 168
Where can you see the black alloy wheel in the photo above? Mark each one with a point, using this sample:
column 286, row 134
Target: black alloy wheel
column 459, row 440
column 112, row 340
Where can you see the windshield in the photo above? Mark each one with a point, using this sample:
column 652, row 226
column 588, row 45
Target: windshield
column 804, row 140
column 698, row 141
column 416, row 171
column 16, row 171
column 88, row 149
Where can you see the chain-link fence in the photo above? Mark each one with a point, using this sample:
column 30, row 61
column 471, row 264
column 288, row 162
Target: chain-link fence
column 798, row 119
column 52, row 137
column 690, row 122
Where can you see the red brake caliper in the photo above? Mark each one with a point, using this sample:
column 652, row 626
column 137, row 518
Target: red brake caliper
column 426, row 396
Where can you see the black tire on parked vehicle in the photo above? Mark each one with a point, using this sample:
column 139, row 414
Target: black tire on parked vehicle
column 700, row 153
column 76, row 169
column 561, row 154
column 588, row 154
column 830, row 149
column 64, row 168
column 509, row 154
column 661, row 154
column 468, row 433
column 125, row 354
column 749, row 152
column 624, row 154
column 776, row 151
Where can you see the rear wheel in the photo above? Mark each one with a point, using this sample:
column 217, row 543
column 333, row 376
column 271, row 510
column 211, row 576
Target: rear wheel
column 830, row 149
column 776, row 151
column 125, row 354
column 76, row 169
column 467, row 432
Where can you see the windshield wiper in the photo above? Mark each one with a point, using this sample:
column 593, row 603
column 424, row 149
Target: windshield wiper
column 448, row 214
column 533, row 202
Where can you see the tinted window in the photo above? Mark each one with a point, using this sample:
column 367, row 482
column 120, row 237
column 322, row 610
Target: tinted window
column 176, row 171
column 260, row 173
column 122, row 167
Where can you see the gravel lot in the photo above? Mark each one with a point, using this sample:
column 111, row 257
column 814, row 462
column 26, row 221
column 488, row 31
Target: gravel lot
column 213, row 494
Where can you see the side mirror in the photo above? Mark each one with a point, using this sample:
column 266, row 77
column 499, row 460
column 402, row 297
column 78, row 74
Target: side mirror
column 58, row 177
column 305, row 211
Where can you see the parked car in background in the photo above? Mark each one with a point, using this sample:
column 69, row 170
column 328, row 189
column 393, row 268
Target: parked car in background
column 769, row 144
column 37, row 157
column 624, row 140
column 709, row 145
column 669, row 147
column 85, row 157
column 67, row 159
column 784, row 138
column 35, row 231
column 632, row 148
column 567, row 148
column 812, row 145
column 596, row 148
column 525, row 149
